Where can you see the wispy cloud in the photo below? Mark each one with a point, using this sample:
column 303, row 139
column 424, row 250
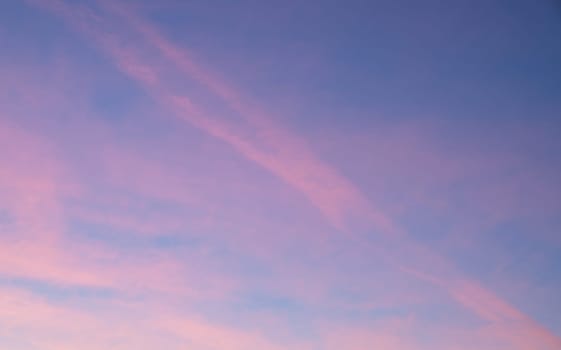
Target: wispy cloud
column 292, row 161
column 269, row 247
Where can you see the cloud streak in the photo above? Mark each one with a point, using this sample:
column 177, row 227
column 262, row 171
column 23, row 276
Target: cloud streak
column 291, row 161
column 39, row 206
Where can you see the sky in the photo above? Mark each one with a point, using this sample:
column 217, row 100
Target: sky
column 262, row 175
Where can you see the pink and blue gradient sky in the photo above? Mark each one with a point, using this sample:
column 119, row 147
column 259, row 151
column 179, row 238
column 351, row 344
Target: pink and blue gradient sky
column 255, row 175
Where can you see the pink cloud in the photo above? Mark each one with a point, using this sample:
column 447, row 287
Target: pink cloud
column 259, row 139
column 56, row 326
column 36, row 244
column 289, row 158
column 368, row 339
column 30, row 183
column 203, row 335
column 316, row 180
